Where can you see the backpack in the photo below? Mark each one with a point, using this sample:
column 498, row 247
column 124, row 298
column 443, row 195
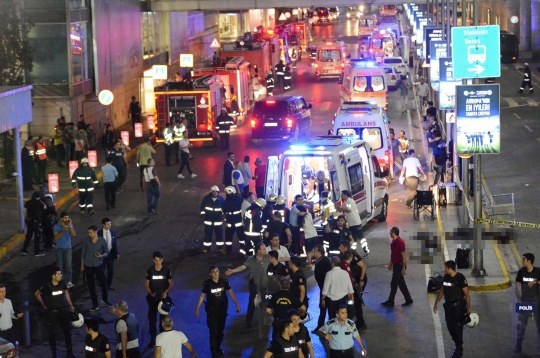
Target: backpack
column 435, row 283
column 462, row 258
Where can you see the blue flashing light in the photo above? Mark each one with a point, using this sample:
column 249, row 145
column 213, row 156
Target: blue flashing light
column 364, row 64
column 298, row 147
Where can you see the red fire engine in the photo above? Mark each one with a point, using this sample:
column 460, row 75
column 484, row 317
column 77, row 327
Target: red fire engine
column 262, row 53
column 199, row 102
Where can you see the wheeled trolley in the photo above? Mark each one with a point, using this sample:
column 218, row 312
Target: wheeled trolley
column 424, row 202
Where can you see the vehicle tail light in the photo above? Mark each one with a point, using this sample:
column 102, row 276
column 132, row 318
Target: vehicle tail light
column 315, row 65
column 387, row 157
column 370, row 50
column 253, row 123
column 393, row 77
column 289, row 123
column 342, row 65
column 271, row 102
column 12, row 353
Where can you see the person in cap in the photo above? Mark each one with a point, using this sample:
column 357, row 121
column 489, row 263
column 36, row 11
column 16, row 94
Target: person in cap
column 223, row 127
column 527, row 79
column 212, row 215
column 85, row 179
column 34, row 210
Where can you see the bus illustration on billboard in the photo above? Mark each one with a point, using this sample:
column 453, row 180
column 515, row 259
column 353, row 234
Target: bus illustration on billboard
column 476, row 53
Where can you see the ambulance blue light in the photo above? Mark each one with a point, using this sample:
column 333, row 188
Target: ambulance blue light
column 298, row 147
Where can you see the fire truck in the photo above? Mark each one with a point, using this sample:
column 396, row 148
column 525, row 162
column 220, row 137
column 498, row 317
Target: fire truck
column 199, row 102
column 235, row 77
column 262, row 55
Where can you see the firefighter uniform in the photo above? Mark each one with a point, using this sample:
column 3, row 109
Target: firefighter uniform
column 253, row 224
column 332, row 241
column 178, row 134
column 41, row 163
column 268, row 214
column 270, row 83
column 294, row 58
column 212, row 214
column 283, row 210
column 232, row 207
column 526, row 79
column 85, row 179
column 287, row 79
column 223, row 126
column 168, row 135
column 280, row 73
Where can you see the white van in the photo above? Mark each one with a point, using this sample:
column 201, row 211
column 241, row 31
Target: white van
column 364, row 81
column 331, row 58
column 347, row 162
column 370, row 123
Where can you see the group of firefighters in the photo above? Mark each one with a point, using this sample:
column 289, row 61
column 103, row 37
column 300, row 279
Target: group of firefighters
column 283, row 78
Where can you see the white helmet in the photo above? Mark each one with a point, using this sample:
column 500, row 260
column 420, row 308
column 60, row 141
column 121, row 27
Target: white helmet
column 305, row 319
column 215, row 188
column 280, row 200
column 84, row 160
column 77, row 320
column 261, row 202
column 272, row 198
column 474, row 320
column 165, row 307
column 230, row 190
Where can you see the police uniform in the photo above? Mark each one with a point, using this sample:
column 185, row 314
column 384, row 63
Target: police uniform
column 284, row 211
column 280, row 228
column 253, row 226
column 84, row 177
column 274, row 275
column 528, row 295
column 282, row 348
column 168, row 140
column 216, row 306
column 332, row 241
column 280, row 304
column 232, row 208
column 57, row 314
column 212, row 212
column 35, row 211
column 96, row 348
column 270, row 84
column 358, row 302
column 158, row 283
column 303, row 339
column 342, row 342
column 454, row 306
column 117, row 157
column 298, row 279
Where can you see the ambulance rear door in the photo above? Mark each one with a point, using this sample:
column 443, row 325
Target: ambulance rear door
column 358, row 183
column 369, row 181
column 272, row 184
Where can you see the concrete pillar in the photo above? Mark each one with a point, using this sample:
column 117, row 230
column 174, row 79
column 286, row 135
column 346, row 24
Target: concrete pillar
column 525, row 25
column 535, row 29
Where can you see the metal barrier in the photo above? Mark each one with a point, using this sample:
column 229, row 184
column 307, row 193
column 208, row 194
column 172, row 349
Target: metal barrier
column 502, row 207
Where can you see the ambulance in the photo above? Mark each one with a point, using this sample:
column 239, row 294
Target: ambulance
column 367, row 25
column 364, row 81
column 381, row 44
column 369, row 122
column 347, row 162
column 331, row 58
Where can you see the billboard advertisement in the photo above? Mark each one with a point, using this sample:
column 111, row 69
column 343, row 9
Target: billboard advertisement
column 430, row 33
column 117, row 42
column 478, row 119
column 447, row 92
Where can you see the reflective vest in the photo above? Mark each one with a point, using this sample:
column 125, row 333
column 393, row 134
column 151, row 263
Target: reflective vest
column 224, row 123
column 178, row 134
column 211, row 210
column 253, row 221
column 233, row 211
column 85, row 178
column 328, row 209
column 41, row 152
column 168, row 136
column 270, row 82
column 57, row 136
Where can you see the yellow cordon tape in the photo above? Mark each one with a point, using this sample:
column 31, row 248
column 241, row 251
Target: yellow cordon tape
column 507, row 223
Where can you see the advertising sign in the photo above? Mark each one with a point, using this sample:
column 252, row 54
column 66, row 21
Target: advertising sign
column 447, row 95
column 438, row 49
column 450, row 117
column 445, row 69
column 54, row 183
column 150, row 122
column 125, row 137
column 430, row 33
column 92, row 158
column 73, row 165
column 478, row 119
column 138, row 130
column 476, row 51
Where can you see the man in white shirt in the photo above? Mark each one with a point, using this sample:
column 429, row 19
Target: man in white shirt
column 283, row 253
column 246, row 172
column 352, row 216
column 422, row 89
column 169, row 343
column 7, row 315
column 337, row 288
column 411, row 166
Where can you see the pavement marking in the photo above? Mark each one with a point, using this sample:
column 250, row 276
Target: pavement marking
column 538, row 139
column 528, row 128
column 532, row 102
column 517, row 115
column 511, row 102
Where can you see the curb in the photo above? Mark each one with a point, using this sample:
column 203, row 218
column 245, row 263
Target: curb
column 11, row 244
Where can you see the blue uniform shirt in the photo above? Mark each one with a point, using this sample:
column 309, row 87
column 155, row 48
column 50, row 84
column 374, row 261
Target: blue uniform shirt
column 293, row 216
column 109, row 173
column 342, row 336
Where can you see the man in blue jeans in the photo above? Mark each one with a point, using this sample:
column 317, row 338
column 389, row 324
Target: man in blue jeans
column 152, row 183
column 63, row 234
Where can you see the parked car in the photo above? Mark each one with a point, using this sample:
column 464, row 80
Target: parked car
column 392, row 77
column 8, row 349
column 398, row 63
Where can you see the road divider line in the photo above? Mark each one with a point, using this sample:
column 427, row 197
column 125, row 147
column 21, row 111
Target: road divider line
column 436, row 320
column 516, row 115
column 511, row 101
column 528, row 128
column 532, row 102
column 538, row 139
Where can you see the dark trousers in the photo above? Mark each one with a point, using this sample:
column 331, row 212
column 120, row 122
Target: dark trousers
column 41, row 171
column 86, row 200
column 60, row 155
column 215, row 319
column 246, row 188
column 8, row 334
column 33, row 229
column 91, row 274
column 47, row 234
column 141, row 169
column 110, row 193
column 526, row 84
column 348, row 353
column 60, row 318
column 224, row 139
column 279, row 81
column 440, row 174
column 168, row 150
column 523, row 320
column 229, row 234
column 28, row 172
column 176, row 150
column 398, row 280
column 208, row 230
column 358, row 236
column 332, row 305
column 130, row 353
column 453, row 313
column 358, row 309
column 322, row 311
column 251, row 304
column 153, row 303
column 295, row 244
column 260, row 191
column 121, row 178
column 185, row 163
column 108, row 262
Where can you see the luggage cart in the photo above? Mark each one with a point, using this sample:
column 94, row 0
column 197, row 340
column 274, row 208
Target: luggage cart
column 424, row 202
column 502, row 208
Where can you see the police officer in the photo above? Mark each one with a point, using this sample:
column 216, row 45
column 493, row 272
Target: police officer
column 268, row 210
column 168, row 141
column 287, row 79
column 223, row 126
column 281, row 302
column 216, row 306
column 232, row 208
column 279, row 228
column 285, row 344
column 337, row 233
column 282, row 209
column 527, row 281
column 298, row 281
column 119, row 161
column 280, row 73
column 270, row 83
column 457, row 301
column 212, row 214
column 253, row 224
column 158, row 285
column 527, row 80
column 53, row 296
column 340, row 333
column 275, row 271
column 302, row 333
column 35, row 211
column 178, row 134
column 96, row 345
column 84, row 177
column 359, row 271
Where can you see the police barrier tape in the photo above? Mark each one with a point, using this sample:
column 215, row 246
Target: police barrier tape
column 508, row 223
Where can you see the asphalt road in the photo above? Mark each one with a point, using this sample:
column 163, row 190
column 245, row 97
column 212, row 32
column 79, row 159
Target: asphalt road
column 178, row 231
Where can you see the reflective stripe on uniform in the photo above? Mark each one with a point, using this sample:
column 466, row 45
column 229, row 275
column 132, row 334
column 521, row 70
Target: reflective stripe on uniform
column 82, row 189
column 207, row 244
column 207, row 223
column 90, row 189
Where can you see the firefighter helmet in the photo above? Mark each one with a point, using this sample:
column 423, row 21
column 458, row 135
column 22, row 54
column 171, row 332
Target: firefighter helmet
column 280, row 200
column 261, row 202
column 84, row 160
column 214, row 188
column 272, row 198
column 230, row 190
column 77, row 319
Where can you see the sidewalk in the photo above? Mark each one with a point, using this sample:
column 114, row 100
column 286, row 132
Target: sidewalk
column 67, row 196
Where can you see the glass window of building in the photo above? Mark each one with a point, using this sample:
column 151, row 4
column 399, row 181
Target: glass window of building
column 79, row 52
column 50, row 54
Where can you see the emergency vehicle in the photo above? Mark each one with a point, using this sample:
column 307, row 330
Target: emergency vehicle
column 388, row 10
column 381, row 44
column 367, row 25
column 364, row 81
column 331, row 58
column 262, row 55
column 303, row 32
column 347, row 162
column 200, row 103
column 369, row 122
column 235, row 77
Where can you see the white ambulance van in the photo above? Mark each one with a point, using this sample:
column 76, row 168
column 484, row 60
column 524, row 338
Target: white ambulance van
column 369, row 122
column 364, row 81
column 348, row 163
column 331, row 58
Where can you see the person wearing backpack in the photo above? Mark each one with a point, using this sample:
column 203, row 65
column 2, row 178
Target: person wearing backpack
column 439, row 160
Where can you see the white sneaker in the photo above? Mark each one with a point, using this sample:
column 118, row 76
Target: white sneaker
column 193, row 175
column 180, row 176
column 70, row 285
